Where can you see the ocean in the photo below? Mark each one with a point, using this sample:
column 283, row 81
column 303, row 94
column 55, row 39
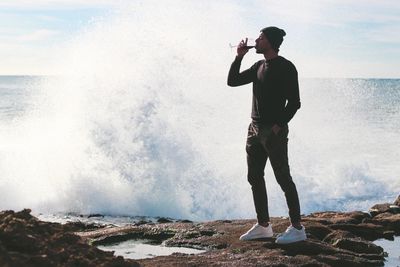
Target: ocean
column 74, row 145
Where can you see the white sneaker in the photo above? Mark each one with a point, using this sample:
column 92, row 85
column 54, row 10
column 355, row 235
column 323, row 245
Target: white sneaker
column 257, row 231
column 291, row 235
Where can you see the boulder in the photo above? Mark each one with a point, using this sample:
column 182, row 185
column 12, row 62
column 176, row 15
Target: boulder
column 358, row 245
column 26, row 241
column 379, row 208
column 336, row 235
column 334, row 239
column 394, row 209
column 368, row 231
column 389, row 222
column 164, row 220
column 397, row 201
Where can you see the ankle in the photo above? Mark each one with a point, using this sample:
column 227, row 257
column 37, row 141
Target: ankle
column 263, row 224
column 298, row 226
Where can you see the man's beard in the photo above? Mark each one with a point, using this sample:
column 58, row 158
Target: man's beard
column 258, row 51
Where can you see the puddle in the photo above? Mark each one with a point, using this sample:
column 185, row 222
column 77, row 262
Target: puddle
column 392, row 248
column 138, row 249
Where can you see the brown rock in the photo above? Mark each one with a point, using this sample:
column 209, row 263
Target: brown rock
column 343, row 257
column 358, row 246
column 223, row 248
column 26, row 241
column 367, row 231
column 336, row 235
column 348, row 261
column 390, row 222
column 334, row 239
column 164, row 220
column 397, row 201
column 389, row 235
column 318, row 230
column 381, row 216
column 394, row 209
column 331, row 217
column 379, row 208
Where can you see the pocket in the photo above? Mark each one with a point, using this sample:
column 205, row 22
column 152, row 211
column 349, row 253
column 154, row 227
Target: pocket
column 283, row 132
column 276, row 134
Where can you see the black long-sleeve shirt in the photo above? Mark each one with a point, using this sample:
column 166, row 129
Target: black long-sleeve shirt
column 274, row 82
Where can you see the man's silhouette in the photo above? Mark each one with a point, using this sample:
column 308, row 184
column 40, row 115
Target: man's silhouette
column 275, row 101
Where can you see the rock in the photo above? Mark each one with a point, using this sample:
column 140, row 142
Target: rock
column 390, row 222
column 26, row 241
column 336, row 235
column 318, row 230
column 95, row 215
column 80, row 226
column 394, row 209
column 389, row 235
column 343, row 257
column 367, row 231
column 381, row 216
column 185, row 221
column 24, row 214
column 225, row 221
column 164, row 220
column 331, row 217
column 384, row 208
column 334, row 239
column 379, row 208
column 141, row 222
column 119, row 234
column 330, row 243
column 358, row 245
column 397, row 201
column 348, row 261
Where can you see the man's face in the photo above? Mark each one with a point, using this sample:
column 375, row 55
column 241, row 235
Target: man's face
column 262, row 44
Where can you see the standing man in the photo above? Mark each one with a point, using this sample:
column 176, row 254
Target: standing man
column 275, row 101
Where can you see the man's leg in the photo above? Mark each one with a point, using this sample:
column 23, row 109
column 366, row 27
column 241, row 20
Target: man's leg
column 256, row 160
column 277, row 149
column 278, row 155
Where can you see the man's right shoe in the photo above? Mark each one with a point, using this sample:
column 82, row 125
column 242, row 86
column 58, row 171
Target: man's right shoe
column 257, row 231
column 291, row 235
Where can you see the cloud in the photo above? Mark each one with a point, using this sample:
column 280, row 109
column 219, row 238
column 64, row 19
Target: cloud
column 346, row 29
column 37, row 35
column 387, row 34
column 333, row 13
column 48, row 18
column 58, row 4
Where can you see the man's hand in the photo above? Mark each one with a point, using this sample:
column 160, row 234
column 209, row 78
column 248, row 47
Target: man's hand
column 276, row 129
column 241, row 49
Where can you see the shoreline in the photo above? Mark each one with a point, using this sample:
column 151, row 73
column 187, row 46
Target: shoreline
column 334, row 238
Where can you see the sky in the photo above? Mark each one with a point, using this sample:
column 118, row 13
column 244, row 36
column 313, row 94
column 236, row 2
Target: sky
column 327, row 38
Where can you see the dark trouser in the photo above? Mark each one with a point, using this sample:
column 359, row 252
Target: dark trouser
column 262, row 143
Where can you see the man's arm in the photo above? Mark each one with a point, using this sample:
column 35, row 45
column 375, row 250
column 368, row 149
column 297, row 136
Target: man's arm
column 292, row 95
column 235, row 78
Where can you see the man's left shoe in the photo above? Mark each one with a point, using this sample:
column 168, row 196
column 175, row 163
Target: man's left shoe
column 258, row 231
column 291, row 235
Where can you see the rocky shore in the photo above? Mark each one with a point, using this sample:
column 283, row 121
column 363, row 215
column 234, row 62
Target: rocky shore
column 334, row 239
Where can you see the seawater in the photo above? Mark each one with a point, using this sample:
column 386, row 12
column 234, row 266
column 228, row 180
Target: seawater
column 139, row 121
column 120, row 157
column 392, row 249
column 139, row 249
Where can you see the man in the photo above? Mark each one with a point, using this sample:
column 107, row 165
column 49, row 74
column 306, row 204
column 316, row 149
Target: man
column 275, row 101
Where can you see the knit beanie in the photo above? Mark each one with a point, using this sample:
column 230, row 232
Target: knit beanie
column 274, row 36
